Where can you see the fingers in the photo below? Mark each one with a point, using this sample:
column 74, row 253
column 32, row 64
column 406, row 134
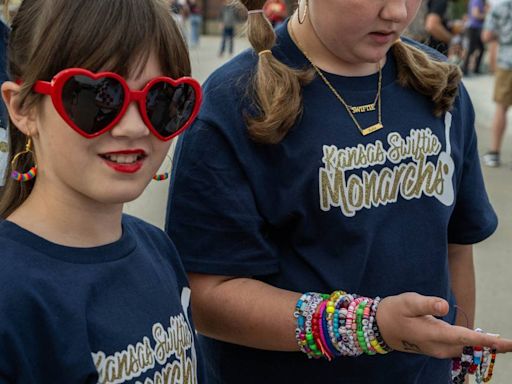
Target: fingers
column 503, row 345
column 461, row 336
column 418, row 305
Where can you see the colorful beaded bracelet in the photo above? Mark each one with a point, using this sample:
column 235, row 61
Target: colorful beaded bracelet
column 339, row 324
column 474, row 360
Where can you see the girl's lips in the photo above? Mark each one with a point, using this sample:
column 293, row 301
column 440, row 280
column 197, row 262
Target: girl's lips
column 125, row 161
column 382, row 37
column 125, row 168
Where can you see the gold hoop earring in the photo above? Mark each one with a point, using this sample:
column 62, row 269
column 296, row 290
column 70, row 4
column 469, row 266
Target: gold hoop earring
column 24, row 176
column 301, row 21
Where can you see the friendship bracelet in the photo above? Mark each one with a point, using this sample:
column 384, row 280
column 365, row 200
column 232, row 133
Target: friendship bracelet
column 474, row 360
column 304, row 310
column 340, row 315
column 488, row 377
column 481, row 373
column 386, row 348
column 338, row 324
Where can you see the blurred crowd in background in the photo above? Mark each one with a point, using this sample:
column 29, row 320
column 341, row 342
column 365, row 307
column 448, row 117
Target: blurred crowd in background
column 454, row 28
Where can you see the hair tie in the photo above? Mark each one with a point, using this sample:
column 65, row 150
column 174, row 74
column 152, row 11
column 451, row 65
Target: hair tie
column 253, row 11
column 261, row 53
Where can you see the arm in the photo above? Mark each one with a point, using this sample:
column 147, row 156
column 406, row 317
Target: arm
column 252, row 313
column 244, row 311
column 434, row 26
column 477, row 13
column 462, row 271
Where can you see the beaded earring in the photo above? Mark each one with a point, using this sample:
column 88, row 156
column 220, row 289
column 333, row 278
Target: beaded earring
column 161, row 176
column 32, row 172
column 165, row 175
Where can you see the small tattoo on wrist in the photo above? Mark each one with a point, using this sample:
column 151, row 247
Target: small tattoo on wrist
column 410, row 347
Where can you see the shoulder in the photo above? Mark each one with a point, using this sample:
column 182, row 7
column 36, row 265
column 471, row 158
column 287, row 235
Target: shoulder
column 431, row 52
column 20, row 280
column 136, row 224
column 226, row 91
column 233, row 74
column 144, row 231
column 151, row 240
column 16, row 257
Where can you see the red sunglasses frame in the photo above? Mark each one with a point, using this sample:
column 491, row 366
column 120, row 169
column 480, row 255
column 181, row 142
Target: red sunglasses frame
column 54, row 90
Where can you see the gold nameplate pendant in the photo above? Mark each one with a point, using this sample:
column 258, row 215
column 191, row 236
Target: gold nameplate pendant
column 372, row 129
column 363, row 108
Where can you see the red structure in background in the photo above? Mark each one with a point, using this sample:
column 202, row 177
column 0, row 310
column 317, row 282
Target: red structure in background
column 211, row 8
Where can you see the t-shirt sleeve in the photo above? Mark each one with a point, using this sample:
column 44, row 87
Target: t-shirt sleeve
column 491, row 22
column 212, row 215
column 473, row 218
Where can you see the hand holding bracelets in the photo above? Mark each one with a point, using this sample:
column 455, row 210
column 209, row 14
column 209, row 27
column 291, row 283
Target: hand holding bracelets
column 339, row 324
column 342, row 324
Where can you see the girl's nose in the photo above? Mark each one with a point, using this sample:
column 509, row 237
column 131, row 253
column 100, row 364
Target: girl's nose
column 395, row 10
column 131, row 124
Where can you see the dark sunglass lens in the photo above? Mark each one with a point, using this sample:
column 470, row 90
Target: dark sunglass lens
column 169, row 107
column 92, row 104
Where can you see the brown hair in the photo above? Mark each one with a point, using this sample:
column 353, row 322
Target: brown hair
column 275, row 85
column 278, row 93
column 48, row 36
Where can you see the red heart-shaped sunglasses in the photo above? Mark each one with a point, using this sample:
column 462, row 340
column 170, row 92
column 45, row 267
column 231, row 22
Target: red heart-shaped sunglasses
column 93, row 103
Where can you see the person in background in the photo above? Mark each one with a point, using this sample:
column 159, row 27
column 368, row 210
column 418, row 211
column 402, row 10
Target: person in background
column 332, row 165
column 475, row 22
column 492, row 46
column 228, row 20
column 436, row 25
column 498, row 27
column 196, row 22
column 180, row 13
column 87, row 294
column 275, row 10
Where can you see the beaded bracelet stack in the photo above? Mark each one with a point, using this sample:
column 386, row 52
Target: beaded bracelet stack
column 478, row 361
column 339, row 324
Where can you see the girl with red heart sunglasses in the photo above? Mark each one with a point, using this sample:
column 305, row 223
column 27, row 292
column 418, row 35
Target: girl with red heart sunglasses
column 100, row 88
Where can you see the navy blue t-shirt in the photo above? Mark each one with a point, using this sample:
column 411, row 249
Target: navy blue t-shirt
column 118, row 313
column 327, row 208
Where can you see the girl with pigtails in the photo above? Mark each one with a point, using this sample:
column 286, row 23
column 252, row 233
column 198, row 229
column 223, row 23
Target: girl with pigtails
column 89, row 295
column 325, row 203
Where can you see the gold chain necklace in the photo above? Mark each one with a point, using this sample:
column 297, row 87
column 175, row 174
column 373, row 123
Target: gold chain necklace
column 351, row 110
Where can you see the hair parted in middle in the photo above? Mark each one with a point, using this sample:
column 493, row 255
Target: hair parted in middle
column 278, row 88
column 48, row 36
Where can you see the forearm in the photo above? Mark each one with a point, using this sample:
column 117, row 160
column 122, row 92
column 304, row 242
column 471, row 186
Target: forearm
column 462, row 271
column 245, row 311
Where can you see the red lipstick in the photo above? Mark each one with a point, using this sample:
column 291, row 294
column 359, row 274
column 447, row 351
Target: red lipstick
column 125, row 161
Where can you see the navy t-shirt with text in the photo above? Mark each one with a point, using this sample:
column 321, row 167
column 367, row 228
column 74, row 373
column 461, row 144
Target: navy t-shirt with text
column 327, row 208
column 118, row 313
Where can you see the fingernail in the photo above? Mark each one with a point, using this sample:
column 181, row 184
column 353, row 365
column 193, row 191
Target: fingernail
column 438, row 306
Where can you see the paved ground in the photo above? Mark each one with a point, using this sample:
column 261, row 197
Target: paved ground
column 492, row 257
